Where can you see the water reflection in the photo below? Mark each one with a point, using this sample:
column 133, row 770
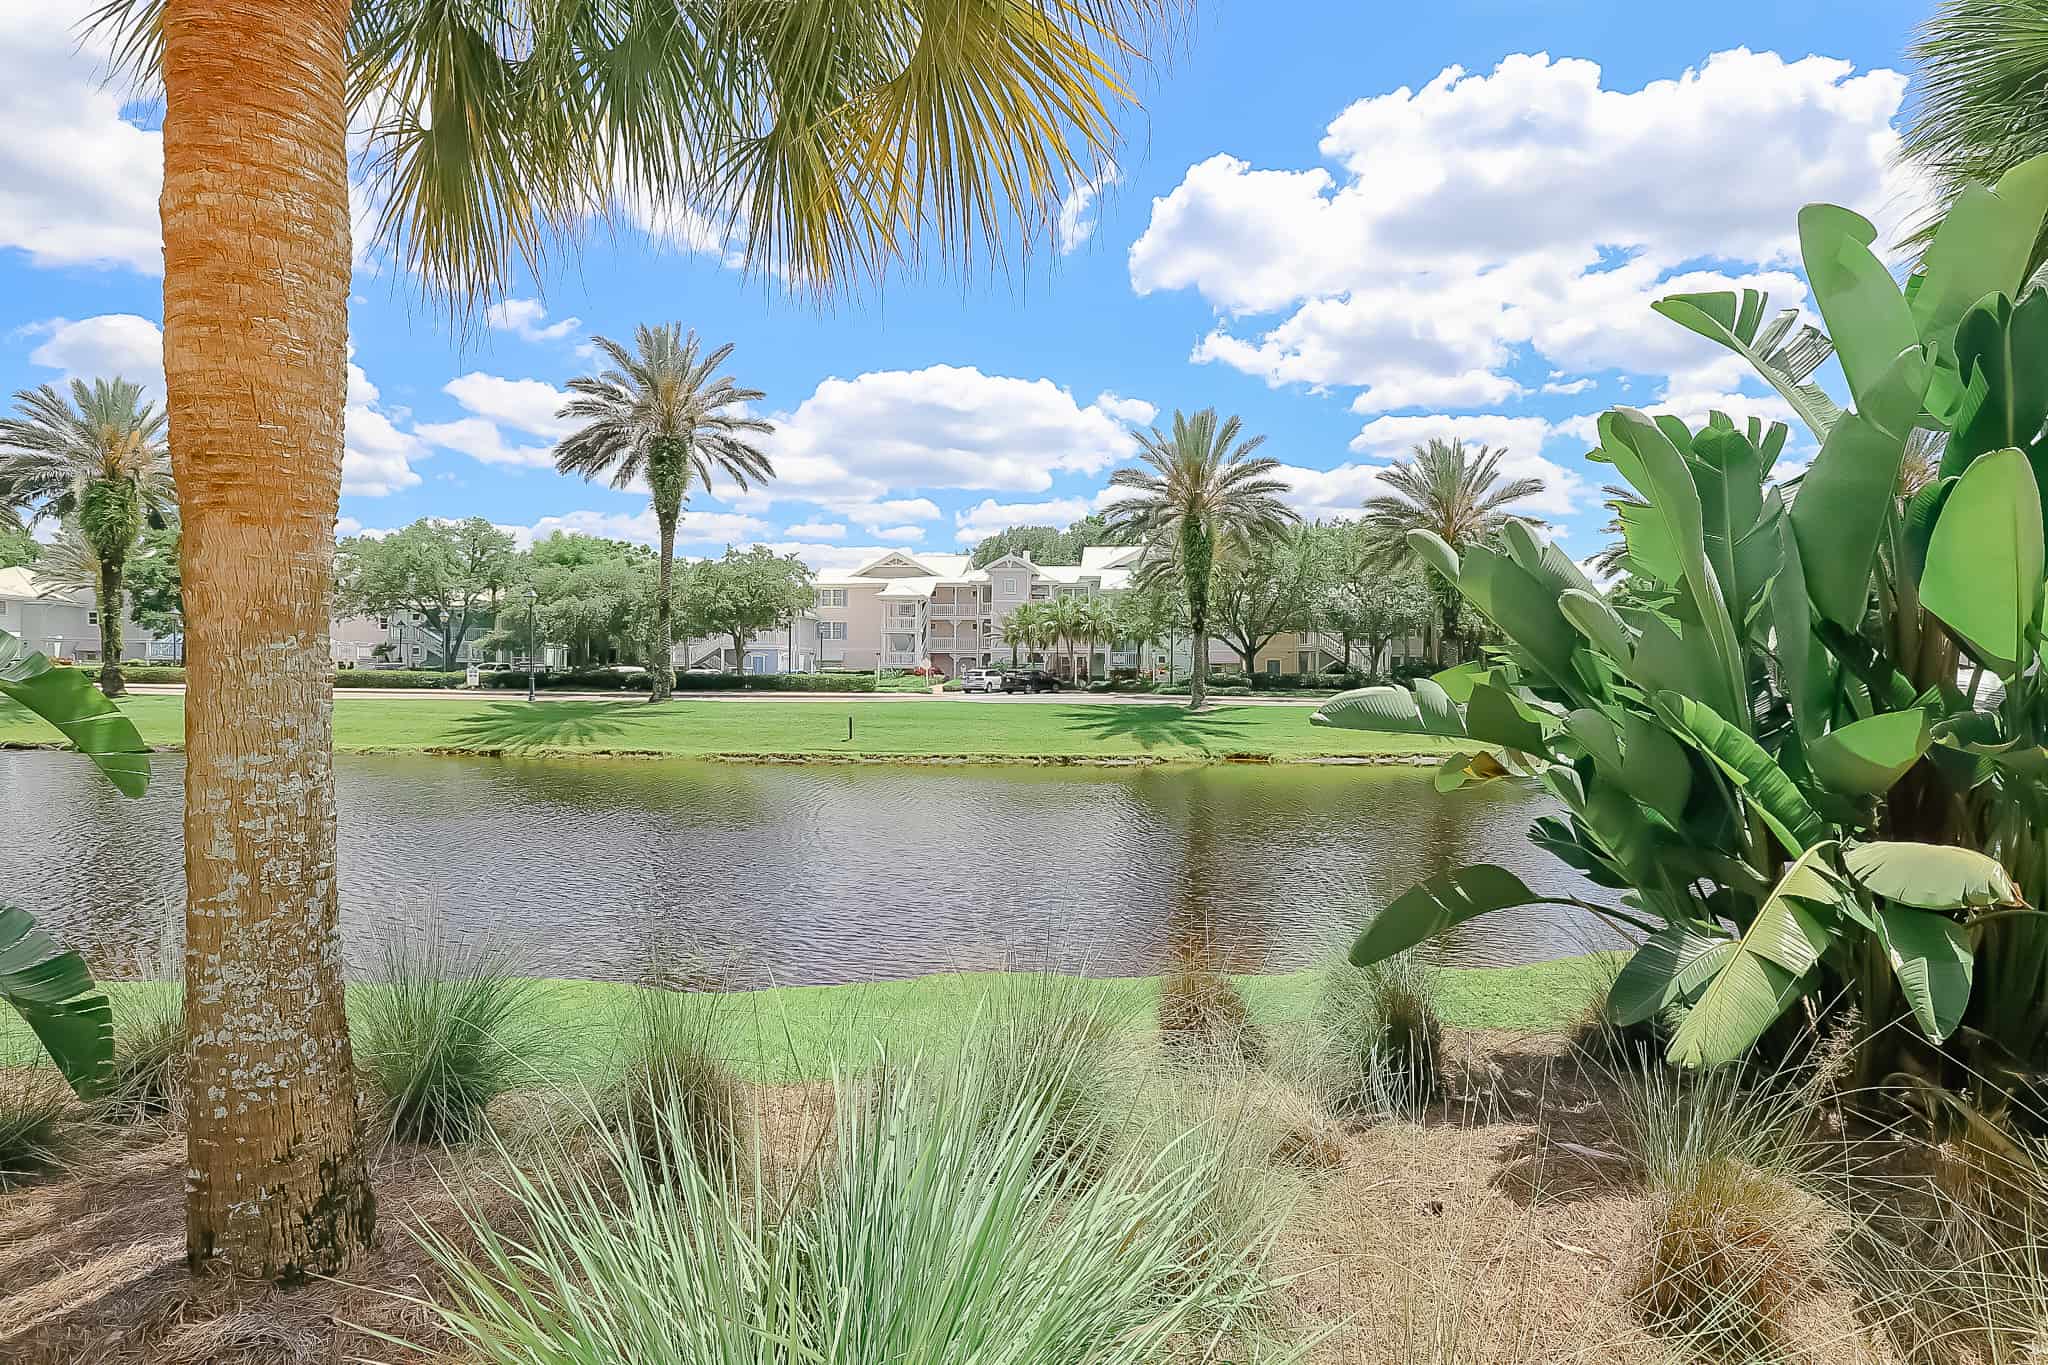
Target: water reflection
column 820, row 874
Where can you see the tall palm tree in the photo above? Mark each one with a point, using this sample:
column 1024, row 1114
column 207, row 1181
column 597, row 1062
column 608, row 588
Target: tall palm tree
column 98, row 461
column 1022, row 628
column 663, row 413
column 1459, row 496
column 493, row 133
column 1982, row 67
column 1200, row 488
column 1098, row 627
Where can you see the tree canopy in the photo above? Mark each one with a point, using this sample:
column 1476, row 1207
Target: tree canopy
column 450, row 574
column 742, row 594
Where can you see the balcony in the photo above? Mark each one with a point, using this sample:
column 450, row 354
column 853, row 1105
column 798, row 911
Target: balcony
column 896, row 658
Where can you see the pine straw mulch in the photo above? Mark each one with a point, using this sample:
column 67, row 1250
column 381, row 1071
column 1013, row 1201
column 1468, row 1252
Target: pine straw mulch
column 1496, row 1230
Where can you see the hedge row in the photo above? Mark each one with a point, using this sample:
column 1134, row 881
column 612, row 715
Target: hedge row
column 588, row 680
column 144, row 673
column 411, row 679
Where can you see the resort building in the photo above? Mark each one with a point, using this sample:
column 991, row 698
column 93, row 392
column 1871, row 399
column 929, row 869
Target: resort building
column 65, row 623
column 785, row 649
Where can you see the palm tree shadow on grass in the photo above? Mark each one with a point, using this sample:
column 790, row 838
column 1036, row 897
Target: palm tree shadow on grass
column 1153, row 726
column 546, row 725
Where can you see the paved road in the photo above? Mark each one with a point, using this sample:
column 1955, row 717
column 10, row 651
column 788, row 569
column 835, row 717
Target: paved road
column 979, row 698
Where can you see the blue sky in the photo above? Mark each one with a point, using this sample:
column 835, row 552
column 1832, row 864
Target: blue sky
column 1313, row 225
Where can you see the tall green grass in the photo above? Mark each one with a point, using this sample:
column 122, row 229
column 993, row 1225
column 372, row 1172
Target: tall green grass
column 34, row 1104
column 1377, row 1040
column 930, row 1235
column 676, row 1066
column 443, row 1032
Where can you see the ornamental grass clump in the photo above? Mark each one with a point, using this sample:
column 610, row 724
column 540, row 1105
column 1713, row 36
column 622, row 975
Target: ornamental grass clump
column 1377, row 1039
column 1203, row 1016
column 445, row 1031
column 927, row 1236
column 675, row 1068
column 33, row 1108
column 149, row 1059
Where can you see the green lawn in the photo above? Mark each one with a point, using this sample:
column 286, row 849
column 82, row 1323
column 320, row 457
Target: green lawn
column 935, row 728
column 805, row 1032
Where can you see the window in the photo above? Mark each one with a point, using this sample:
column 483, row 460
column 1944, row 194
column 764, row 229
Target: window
column 832, row 630
column 1009, row 585
column 92, row 618
column 3, row 608
column 1272, row 668
column 831, row 597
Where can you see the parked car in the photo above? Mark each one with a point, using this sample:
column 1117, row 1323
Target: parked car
column 1031, row 680
column 981, row 680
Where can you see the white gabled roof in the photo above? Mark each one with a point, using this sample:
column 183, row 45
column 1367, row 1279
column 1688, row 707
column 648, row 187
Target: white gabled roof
column 1111, row 556
column 910, row 587
column 20, row 585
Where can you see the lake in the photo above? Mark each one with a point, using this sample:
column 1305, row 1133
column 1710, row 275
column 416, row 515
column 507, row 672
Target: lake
column 815, row 874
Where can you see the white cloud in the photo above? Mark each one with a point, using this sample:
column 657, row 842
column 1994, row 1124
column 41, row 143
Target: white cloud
column 816, row 530
column 900, row 535
column 523, row 318
column 377, row 454
column 988, row 516
column 78, row 183
column 1531, row 209
column 1521, row 438
column 1077, row 216
column 824, row 558
column 527, row 404
column 701, row 530
column 1136, row 411
column 1568, row 386
column 482, row 441
column 102, row 347
column 856, row 440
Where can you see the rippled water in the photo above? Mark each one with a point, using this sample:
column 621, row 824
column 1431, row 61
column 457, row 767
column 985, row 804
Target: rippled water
column 819, row 874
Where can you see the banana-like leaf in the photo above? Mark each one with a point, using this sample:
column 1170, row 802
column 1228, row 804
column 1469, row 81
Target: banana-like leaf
column 1496, row 717
column 1449, row 898
column 1866, row 757
column 1767, row 969
column 1463, row 770
column 1728, row 470
column 1801, row 661
column 1931, row 876
column 53, row 992
column 1847, row 496
column 1670, row 966
column 63, row 697
column 1523, row 606
column 1676, row 498
column 1783, row 353
column 1541, row 558
column 1984, row 561
column 1981, row 247
column 1458, row 680
column 1867, row 317
column 1650, row 551
column 1654, row 767
column 1392, row 711
column 1438, row 554
column 2007, row 348
column 1602, row 626
column 1762, row 782
column 1930, row 956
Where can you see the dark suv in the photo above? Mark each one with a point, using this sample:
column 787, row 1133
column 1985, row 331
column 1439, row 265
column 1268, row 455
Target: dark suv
column 1030, row 680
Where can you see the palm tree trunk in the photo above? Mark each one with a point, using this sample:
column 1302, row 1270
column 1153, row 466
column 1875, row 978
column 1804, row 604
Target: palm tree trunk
column 739, row 652
column 110, row 626
column 662, row 666
column 1197, row 558
column 256, row 276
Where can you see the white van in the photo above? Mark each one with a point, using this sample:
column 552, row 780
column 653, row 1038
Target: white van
column 981, row 680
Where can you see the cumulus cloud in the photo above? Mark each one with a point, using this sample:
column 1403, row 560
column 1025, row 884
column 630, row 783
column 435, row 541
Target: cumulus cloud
column 1465, row 226
column 527, row 405
column 826, row 558
column 944, row 427
column 102, row 347
column 484, row 442
column 525, row 319
column 816, row 530
column 1521, row 438
column 377, row 453
column 988, row 516
column 703, row 531
column 78, row 183
column 1136, row 411
column 900, row 535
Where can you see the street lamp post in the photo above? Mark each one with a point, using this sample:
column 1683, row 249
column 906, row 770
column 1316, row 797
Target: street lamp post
column 532, row 597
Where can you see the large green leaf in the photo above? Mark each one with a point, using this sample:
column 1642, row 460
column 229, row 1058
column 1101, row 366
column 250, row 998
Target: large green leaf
column 1522, row 606
column 1389, row 710
column 2007, row 347
column 1981, row 247
column 1984, row 561
column 1590, row 614
column 1867, row 316
column 1848, row 495
column 1801, row 661
column 1866, row 757
column 64, row 698
column 1930, row 876
column 1784, row 352
column 1755, row 773
column 1670, row 966
column 53, row 991
column 1930, row 956
column 1767, row 969
column 1447, row 899
column 1654, row 767
column 1496, row 717
column 1433, row 550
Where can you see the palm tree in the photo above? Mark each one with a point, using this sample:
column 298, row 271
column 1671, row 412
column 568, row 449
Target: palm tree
column 1982, row 67
column 1023, row 627
column 1459, row 497
column 493, row 134
column 664, row 413
column 96, row 460
column 1201, row 488
column 1098, row 627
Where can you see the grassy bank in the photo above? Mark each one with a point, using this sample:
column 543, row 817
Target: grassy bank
column 804, row 1032
column 799, row 729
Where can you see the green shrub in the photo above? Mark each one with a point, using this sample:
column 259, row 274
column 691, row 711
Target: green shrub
column 443, row 1033
column 33, row 1102
column 409, row 679
column 929, row 1239
column 149, row 1058
column 1377, row 1038
column 575, row 680
column 781, row 682
column 143, row 673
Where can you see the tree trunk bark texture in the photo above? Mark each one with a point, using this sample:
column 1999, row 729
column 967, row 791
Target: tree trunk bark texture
column 256, row 275
column 661, row 668
column 111, row 596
